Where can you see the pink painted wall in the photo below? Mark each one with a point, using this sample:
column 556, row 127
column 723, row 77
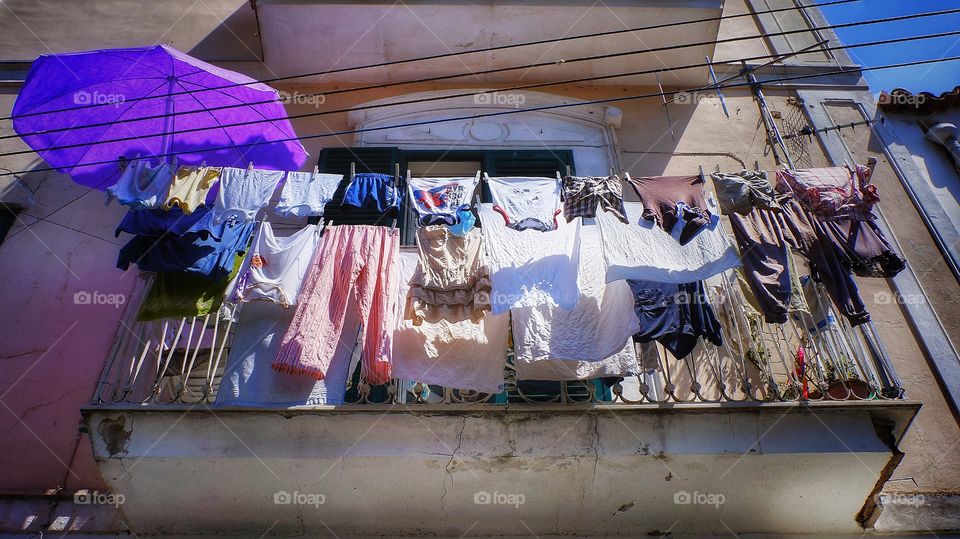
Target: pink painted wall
column 52, row 348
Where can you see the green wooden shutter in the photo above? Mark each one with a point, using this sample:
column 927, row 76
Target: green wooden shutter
column 527, row 162
column 337, row 161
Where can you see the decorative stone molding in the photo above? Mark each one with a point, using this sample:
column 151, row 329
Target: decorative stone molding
column 475, row 122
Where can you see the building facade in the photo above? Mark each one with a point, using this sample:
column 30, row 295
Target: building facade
column 105, row 435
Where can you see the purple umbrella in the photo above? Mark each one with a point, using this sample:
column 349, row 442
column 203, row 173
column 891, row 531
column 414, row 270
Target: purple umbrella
column 64, row 92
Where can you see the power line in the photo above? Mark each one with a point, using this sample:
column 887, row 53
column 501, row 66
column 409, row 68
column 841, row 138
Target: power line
column 517, row 111
column 61, row 225
column 662, row 94
column 207, row 110
column 452, row 54
column 472, row 93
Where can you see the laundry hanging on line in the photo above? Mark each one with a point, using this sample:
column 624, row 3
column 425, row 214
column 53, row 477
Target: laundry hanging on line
column 275, row 267
column 671, row 239
column 438, row 201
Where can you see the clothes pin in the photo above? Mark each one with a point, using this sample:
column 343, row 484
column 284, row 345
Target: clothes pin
column 353, row 170
column 568, row 170
column 316, row 169
column 756, row 166
column 611, row 171
column 701, row 170
column 626, row 175
column 397, row 178
column 716, row 168
column 250, row 165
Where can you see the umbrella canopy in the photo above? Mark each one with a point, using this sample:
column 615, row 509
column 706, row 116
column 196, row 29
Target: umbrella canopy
column 64, row 92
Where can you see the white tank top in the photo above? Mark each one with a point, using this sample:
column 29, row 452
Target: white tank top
column 274, row 267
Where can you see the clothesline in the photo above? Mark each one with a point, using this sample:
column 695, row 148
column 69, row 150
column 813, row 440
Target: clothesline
column 636, row 272
column 464, row 53
column 771, row 57
column 509, row 112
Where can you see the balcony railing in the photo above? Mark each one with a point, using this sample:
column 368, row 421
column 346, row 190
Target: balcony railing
column 181, row 361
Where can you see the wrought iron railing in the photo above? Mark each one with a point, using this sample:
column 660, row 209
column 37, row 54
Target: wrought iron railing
column 181, row 361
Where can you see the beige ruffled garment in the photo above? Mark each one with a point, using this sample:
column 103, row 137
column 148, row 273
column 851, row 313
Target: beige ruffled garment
column 452, row 280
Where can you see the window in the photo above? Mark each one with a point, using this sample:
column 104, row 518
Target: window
column 434, row 163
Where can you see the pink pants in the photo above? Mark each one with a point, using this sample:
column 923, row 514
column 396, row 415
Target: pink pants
column 354, row 268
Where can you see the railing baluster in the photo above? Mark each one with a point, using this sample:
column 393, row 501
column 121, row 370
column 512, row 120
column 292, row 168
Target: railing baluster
column 835, row 353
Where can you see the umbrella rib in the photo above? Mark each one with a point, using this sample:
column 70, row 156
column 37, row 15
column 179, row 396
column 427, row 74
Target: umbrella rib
column 137, row 61
column 270, row 121
column 227, row 133
column 90, row 147
column 199, row 71
column 71, row 91
column 117, row 57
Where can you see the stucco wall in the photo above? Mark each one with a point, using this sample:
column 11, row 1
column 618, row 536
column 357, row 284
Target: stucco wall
column 932, row 159
column 932, row 462
column 52, row 349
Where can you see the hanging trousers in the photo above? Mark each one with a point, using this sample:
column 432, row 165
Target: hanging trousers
column 354, row 268
column 764, row 236
column 865, row 249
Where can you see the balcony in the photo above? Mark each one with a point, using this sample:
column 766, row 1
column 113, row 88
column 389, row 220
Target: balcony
column 730, row 438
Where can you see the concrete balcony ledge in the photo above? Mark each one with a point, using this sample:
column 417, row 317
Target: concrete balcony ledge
column 592, row 470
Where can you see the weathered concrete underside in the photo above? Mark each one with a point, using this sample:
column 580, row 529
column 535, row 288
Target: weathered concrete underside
column 493, row 471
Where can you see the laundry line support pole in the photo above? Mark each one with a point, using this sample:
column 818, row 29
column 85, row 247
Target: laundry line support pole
column 774, row 137
column 713, row 77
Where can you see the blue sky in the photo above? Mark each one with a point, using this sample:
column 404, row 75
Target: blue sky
column 933, row 78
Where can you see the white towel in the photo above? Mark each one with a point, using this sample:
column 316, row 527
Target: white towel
column 641, row 250
column 623, row 363
column 529, row 267
column 463, row 355
column 243, row 192
column 602, row 322
column 306, row 193
column 274, row 268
